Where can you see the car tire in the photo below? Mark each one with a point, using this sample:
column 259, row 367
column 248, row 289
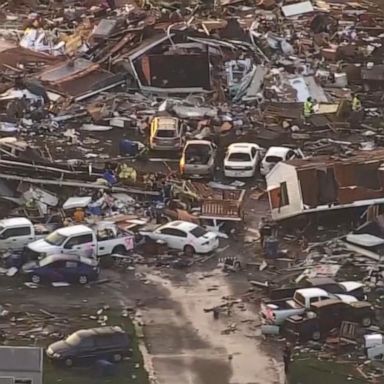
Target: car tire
column 119, row 249
column 83, row 279
column 36, row 279
column 68, row 362
column 117, row 357
column 366, row 322
column 189, row 250
column 316, row 335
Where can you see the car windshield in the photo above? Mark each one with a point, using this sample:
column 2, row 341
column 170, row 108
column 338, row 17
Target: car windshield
column 299, row 298
column 166, row 133
column 273, row 159
column 198, row 231
column 239, row 156
column 73, row 340
column 55, row 238
column 195, row 149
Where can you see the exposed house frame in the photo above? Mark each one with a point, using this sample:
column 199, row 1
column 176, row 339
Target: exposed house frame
column 321, row 184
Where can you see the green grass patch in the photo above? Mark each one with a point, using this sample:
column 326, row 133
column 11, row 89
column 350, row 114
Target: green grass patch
column 313, row 371
column 129, row 371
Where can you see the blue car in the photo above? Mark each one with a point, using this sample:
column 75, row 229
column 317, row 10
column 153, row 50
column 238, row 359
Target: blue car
column 62, row 268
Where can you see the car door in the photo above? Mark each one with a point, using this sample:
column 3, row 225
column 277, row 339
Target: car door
column 71, row 271
column 16, row 238
column 81, row 245
column 104, row 346
column 179, row 238
column 212, row 160
column 174, row 237
column 53, row 272
column 87, row 351
column 167, row 235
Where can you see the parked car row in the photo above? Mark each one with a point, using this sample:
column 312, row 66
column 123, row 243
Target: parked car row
column 82, row 241
column 324, row 316
column 351, row 288
column 242, row 160
column 18, row 232
column 70, row 254
column 277, row 311
column 311, row 313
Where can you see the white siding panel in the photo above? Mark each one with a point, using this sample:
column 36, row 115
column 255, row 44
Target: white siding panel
column 286, row 173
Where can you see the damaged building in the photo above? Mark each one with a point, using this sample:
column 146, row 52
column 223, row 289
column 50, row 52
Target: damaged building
column 303, row 186
column 160, row 64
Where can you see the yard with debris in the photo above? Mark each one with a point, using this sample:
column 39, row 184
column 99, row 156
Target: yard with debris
column 40, row 316
column 192, row 191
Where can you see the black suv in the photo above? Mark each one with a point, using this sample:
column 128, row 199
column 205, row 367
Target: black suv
column 87, row 345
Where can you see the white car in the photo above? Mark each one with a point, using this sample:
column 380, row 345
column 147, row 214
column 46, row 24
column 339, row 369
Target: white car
column 183, row 235
column 276, row 154
column 241, row 160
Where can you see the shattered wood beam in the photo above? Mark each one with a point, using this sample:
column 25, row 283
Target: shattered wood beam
column 61, row 183
column 39, row 167
column 78, row 75
column 125, row 40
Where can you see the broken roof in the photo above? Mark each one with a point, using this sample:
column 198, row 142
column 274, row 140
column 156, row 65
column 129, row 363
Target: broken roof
column 322, row 161
column 17, row 55
column 147, row 45
column 77, row 78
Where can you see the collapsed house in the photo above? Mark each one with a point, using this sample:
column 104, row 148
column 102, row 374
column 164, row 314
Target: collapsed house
column 319, row 184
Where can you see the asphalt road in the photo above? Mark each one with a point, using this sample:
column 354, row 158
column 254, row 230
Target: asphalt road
column 188, row 345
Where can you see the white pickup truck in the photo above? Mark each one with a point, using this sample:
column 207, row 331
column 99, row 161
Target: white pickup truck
column 83, row 241
column 277, row 311
column 17, row 232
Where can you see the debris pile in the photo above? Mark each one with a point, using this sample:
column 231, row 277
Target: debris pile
column 110, row 110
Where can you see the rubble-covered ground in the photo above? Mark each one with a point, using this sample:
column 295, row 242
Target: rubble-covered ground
column 82, row 86
column 180, row 340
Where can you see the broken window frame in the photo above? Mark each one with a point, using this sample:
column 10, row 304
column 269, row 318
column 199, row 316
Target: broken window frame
column 284, row 197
